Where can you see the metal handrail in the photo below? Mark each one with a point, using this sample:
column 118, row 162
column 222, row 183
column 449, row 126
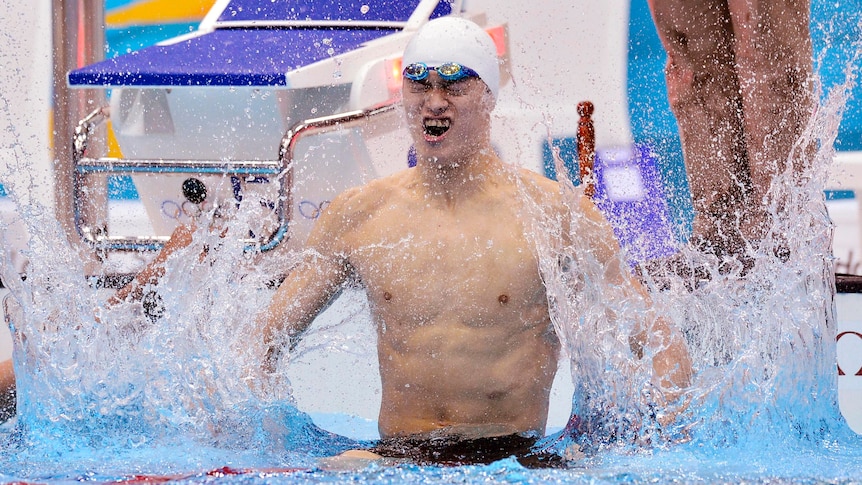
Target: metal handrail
column 282, row 167
column 106, row 165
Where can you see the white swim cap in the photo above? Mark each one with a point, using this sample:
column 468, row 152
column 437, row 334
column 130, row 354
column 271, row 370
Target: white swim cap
column 454, row 39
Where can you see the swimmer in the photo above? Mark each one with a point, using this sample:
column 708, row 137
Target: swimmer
column 466, row 346
column 7, row 390
column 739, row 80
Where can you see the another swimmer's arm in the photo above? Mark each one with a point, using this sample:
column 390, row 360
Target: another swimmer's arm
column 180, row 238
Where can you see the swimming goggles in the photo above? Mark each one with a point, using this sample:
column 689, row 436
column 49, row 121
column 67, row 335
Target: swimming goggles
column 450, row 71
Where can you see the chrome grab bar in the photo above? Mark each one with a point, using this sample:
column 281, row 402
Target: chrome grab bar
column 282, row 168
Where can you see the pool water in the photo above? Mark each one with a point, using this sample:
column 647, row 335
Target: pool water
column 190, row 461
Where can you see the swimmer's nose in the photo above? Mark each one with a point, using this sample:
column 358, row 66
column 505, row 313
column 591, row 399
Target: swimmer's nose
column 436, row 100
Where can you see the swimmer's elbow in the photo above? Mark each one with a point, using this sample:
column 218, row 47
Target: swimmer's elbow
column 674, row 370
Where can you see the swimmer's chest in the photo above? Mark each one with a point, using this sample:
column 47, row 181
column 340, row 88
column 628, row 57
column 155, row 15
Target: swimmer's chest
column 431, row 256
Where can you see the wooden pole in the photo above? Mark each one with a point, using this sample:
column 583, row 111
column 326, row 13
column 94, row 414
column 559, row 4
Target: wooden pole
column 586, row 147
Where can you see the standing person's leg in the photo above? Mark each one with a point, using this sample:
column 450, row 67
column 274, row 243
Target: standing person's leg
column 704, row 93
column 774, row 60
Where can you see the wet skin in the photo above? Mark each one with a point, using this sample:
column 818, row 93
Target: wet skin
column 465, row 340
column 739, row 83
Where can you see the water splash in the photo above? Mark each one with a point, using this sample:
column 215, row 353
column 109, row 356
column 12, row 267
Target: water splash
column 762, row 339
column 112, row 385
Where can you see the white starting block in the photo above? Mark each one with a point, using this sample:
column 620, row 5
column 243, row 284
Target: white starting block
column 270, row 105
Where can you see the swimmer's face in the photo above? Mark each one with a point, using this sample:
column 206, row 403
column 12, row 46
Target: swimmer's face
column 448, row 120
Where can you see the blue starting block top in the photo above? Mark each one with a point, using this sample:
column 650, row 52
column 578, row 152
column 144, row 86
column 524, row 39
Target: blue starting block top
column 274, row 13
column 228, row 57
column 255, row 43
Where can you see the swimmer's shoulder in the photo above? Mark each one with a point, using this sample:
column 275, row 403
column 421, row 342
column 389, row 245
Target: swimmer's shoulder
column 550, row 192
column 357, row 203
column 535, row 181
column 571, row 203
column 550, row 186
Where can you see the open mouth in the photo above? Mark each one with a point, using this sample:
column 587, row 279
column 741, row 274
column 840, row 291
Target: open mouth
column 436, row 127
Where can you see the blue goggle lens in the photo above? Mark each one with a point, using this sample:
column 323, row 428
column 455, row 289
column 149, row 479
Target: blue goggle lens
column 450, row 71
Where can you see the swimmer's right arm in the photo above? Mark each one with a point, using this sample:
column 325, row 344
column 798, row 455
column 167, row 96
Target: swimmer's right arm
column 308, row 287
column 302, row 295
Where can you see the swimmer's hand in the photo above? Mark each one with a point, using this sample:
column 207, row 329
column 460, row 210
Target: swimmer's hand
column 350, row 460
column 671, row 362
column 264, row 378
column 271, row 358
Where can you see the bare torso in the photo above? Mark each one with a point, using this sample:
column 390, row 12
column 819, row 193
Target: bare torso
column 465, row 340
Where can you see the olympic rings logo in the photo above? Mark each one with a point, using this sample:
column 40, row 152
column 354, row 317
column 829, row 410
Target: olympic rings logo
column 311, row 210
column 174, row 210
column 842, row 334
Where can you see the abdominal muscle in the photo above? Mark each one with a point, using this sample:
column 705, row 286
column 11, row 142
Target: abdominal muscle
column 445, row 377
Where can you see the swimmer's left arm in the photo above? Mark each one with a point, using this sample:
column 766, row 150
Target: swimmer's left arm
column 671, row 362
